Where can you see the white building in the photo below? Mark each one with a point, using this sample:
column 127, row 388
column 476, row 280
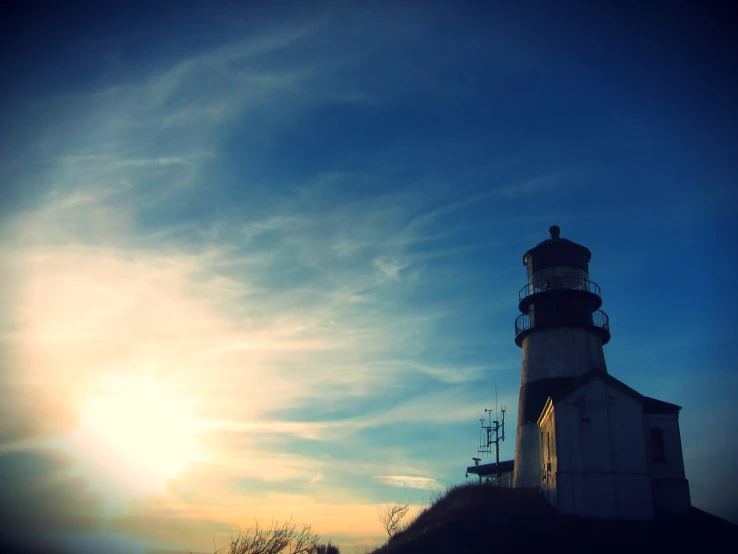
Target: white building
column 609, row 452
column 595, row 446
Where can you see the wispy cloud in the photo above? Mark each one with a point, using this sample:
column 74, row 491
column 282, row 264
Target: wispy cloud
column 389, row 267
column 410, row 482
column 526, row 187
column 170, row 308
column 177, row 160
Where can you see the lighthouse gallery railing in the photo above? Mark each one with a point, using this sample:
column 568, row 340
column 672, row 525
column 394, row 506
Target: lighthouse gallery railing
column 559, row 283
column 599, row 319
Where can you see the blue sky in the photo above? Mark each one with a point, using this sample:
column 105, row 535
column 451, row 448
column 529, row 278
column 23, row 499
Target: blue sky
column 263, row 261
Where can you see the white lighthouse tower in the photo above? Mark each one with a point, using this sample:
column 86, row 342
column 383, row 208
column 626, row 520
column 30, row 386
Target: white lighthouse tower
column 561, row 331
column 594, row 446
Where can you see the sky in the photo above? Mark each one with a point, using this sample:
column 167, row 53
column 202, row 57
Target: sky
column 260, row 261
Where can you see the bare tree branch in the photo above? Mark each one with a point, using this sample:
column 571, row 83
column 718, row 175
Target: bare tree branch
column 390, row 517
column 275, row 539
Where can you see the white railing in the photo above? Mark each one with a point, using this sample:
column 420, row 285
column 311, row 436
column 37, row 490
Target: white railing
column 504, row 480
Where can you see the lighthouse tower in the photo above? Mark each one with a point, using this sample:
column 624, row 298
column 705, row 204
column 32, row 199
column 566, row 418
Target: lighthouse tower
column 561, row 331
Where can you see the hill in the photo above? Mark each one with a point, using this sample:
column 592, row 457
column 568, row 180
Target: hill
column 481, row 518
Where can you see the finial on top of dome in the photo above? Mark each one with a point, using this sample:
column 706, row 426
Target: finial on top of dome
column 554, row 231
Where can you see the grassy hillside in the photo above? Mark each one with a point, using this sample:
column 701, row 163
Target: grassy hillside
column 481, row 518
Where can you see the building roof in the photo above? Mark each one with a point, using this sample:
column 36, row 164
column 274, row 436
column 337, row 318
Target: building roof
column 653, row 406
column 556, row 243
column 491, row 469
column 650, row 405
column 595, row 372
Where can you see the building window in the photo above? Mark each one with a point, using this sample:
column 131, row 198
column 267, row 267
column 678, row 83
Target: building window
column 657, row 442
column 583, row 409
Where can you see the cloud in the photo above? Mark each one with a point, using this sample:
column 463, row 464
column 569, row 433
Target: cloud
column 164, row 161
column 185, row 531
column 390, row 268
column 536, row 185
column 422, row 408
column 164, row 519
column 40, row 492
column 32, row 412
column 452, row 374
column 409, row 481
column 196, row 318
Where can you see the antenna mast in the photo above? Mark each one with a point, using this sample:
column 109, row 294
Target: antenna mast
column 490, row 434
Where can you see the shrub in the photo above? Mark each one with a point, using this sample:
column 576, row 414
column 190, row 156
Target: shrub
column 326, row 549
column 278, row 539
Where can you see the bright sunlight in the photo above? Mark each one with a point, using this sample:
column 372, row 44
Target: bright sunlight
column 138, row 432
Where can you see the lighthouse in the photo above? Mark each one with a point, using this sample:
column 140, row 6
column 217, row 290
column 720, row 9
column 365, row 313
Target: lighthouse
column 561, row 331
column 591, row 444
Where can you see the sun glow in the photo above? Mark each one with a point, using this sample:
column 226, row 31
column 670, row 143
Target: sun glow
column 138, row 433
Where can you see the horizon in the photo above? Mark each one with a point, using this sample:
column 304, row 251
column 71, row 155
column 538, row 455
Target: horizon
column 262, row 261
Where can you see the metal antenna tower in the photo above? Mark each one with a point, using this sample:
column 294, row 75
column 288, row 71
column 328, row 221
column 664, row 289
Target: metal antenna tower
column 490, row 434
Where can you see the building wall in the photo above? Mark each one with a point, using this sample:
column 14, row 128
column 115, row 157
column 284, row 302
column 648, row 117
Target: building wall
column 673, row 465
column 561, row 352
column 670, row 487
column 604, row 495
column 602, row 468
column 527, row 457
column 547, row 438
column 550, row 353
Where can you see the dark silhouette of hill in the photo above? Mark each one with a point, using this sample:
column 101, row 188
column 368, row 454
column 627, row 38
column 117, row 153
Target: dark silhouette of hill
column 481, row 518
